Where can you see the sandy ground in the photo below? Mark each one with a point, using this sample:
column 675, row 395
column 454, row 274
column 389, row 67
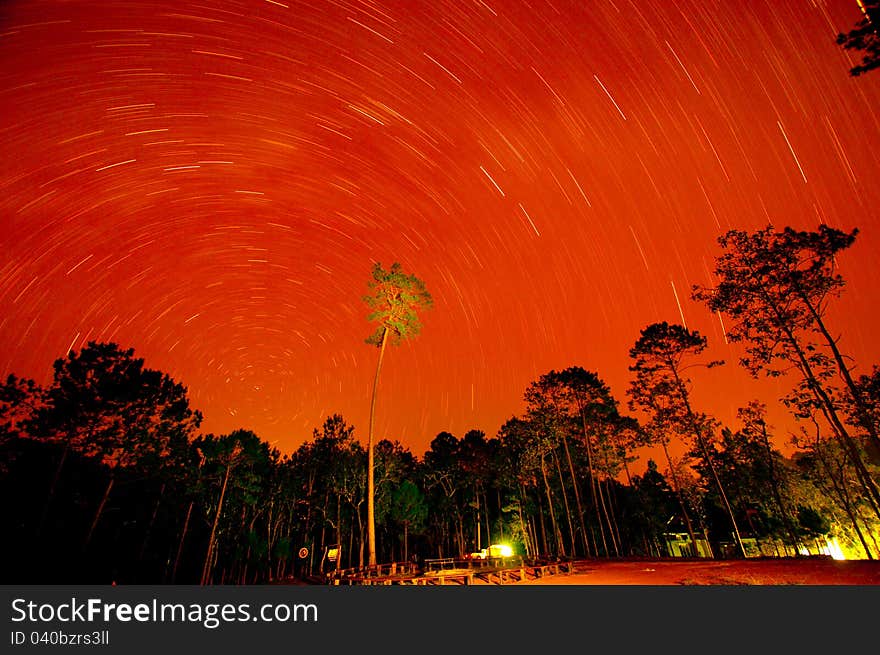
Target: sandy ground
column 807, row 571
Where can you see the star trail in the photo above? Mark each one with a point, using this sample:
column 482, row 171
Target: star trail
column 210, row 183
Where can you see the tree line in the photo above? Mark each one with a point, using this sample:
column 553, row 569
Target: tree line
column 105, row 475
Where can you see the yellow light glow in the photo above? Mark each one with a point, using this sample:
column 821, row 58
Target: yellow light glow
column 834, row 549
column 500, row 550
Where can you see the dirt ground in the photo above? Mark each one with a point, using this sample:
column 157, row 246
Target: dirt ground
column 771, row 571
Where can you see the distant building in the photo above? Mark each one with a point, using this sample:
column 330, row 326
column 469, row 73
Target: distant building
column 679, row 544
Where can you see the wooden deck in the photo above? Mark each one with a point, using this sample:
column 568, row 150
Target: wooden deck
column 449, row 571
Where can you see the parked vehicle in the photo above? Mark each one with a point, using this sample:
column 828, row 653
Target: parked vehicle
column 493, row 551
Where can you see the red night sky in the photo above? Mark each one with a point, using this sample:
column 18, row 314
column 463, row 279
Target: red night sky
column 209, row 183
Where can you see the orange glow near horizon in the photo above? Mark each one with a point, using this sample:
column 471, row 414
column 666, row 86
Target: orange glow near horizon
column 210, row 185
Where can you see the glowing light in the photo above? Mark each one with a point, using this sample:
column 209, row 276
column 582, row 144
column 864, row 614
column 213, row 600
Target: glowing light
column 833, row 548
column 500, row 550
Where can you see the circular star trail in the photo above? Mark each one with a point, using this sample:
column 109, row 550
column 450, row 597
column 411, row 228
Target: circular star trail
column 210, row 183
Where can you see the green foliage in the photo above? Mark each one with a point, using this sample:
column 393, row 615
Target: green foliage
column 105, row 417
column 812, row 522
column 395, row 299
column 829, row 488
column 409, row 507
column 394, row 464
column 776, row 286
column 518, row 458
column 445, row 485
column 757, row 475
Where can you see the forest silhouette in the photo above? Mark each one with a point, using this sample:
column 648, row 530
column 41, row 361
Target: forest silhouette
column 106, row 477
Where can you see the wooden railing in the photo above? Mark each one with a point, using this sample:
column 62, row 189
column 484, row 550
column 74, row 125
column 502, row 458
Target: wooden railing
column 453, row 571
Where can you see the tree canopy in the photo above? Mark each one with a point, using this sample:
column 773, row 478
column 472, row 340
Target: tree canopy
column 108, row 456
column 395, row 300
column 863, row 38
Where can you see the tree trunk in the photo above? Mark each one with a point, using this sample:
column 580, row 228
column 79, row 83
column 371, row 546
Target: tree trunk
column 642, row 513
column 338, row 563
column 592, row 470
column 847, row 507
column 557, row 533
column 698, row 433
column 461, row 543
column 208, row 564
column 143, row 548
column 488, row 519
column 477, row 526
column 839, row 486
column 500, row 514
column 182, row 538
column 360, row 540
column 100, row 510
column 826, row 404
column 861, row 409
column 870, row 534
column 842, row 434
column 371, row 492
column 608, row 518
column 522, row 524
column 55, row 478
column 577, row 496
column 406, row 541
column 684, row 513
column 613, row 526
column 350, row 552
column 270, row 531
column 727, row 506
column 774, row 486
column 544, row 542
column 565, row 501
